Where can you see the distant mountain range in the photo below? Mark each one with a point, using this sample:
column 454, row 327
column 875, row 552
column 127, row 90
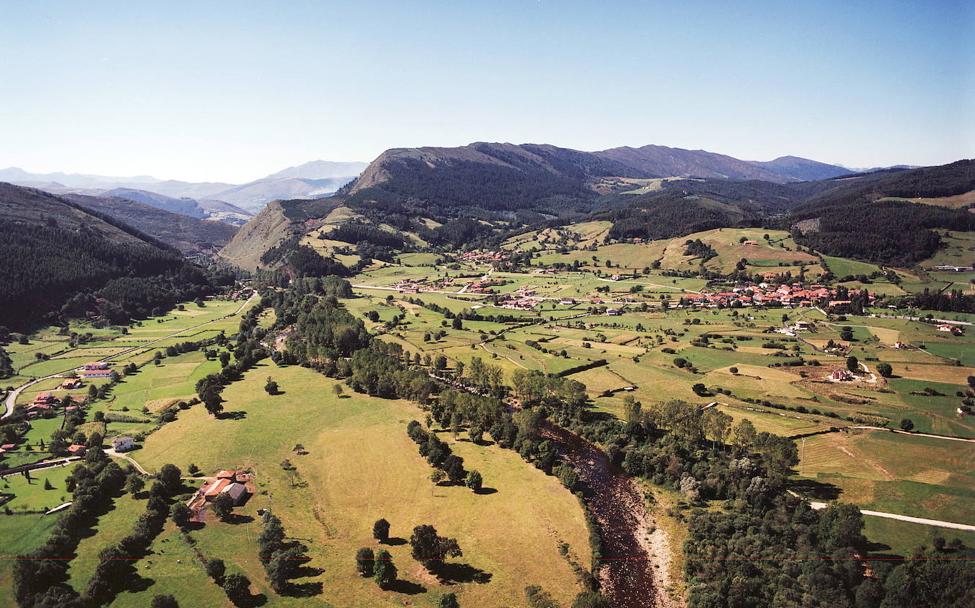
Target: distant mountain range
column 232, row 203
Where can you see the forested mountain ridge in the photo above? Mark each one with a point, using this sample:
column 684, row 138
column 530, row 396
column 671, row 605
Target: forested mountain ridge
column 189, row 235
column 61, row 259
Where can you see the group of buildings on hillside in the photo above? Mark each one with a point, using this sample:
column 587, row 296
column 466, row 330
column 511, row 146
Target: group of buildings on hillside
column 765, row 294
column 237, row 484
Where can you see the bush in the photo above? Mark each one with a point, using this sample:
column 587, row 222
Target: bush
column 365, row 561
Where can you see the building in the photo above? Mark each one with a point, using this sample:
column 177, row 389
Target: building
column 71, row 383
column 123, row 443
column 97, row 373
column 95, row 365
column 841, row 375
column 76, row 449
column 46, row 399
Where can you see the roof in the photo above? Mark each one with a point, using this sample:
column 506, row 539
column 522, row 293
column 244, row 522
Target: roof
column 235, row 490
column 75, row 448
column 225, row 474
column 216, row 487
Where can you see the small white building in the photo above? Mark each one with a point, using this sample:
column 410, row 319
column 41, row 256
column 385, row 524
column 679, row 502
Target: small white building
column 123, row 443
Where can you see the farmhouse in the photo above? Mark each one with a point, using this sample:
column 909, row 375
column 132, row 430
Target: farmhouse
column 97, row 373
column 841, row 375
column 123, row 443
column 95, row 365
column 238, row 485
column 76, row 449
column 71, row 383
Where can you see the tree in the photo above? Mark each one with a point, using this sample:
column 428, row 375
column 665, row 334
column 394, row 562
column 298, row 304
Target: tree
column 283, row 566
column 271, row 387
column 365, row 561
column 428, row 547
column 181, row 515
column 237, row 587
column 337, row 389
column 223, row 506
column 457, row 323
column 853, row 364
column 380, row 530
column 474, row 481
column 208, row 389
column 384, row 569
column 744, row 433
column 134, row 483
column 164, row 601
column 448, row 600
column 224, row 359
column 169, row 476
column 193, row 469
column 846, row 334
column 885, row 370
column 216, row 569
column 47, row 484
column 907, row 424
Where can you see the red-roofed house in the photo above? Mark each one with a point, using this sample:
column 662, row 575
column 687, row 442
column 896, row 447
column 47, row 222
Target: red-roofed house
column 76, row 449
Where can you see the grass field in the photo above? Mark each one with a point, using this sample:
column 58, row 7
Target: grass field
column 19, row 535
column 362, row 466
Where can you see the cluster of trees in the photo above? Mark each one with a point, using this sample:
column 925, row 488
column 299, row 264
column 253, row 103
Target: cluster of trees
column 449, row 466
column 6, row 364
column 323, row 329
column 359, row 232
column 945, row 301
column 667, row 214
column 891, row 232
column 282, row 559
column 40, row 577
column 247, row 352
column 699, row 249
column 533, row 387
column 116, row 563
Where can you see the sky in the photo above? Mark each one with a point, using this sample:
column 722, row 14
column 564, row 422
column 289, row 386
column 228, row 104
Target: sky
column 232, row 91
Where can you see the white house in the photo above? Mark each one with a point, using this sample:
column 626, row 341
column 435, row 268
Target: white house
column 123, row 443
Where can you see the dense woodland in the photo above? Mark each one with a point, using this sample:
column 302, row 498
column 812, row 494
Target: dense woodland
column 50, row 269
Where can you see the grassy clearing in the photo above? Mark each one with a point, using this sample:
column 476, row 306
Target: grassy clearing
column 19, row 535
column 30, row 495
column 362, row 466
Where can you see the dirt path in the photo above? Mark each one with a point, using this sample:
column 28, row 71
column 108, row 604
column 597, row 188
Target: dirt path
column 630, row 552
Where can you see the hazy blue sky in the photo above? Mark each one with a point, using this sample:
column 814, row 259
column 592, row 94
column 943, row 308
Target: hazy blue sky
column 232, row 91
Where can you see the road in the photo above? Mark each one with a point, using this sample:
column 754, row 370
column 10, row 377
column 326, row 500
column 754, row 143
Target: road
column 914, row 520
column 912, row 434
column 11, row 400
column 138, row 467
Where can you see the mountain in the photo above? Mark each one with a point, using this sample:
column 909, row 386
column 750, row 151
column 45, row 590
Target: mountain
column 277, row 222
column 803, row 169
column 190, row 235
column 61, row 258
column 310, row 180
column 183, row 206
column 320, row 169
column 255, row 195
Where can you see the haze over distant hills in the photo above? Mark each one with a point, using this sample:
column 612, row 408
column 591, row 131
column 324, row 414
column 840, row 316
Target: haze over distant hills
column 309, row 180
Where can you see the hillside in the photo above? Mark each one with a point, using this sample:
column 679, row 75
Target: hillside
column 56, row 252
column 254, row 195
column 187, row 234
column 276, row 223
column 802, row 169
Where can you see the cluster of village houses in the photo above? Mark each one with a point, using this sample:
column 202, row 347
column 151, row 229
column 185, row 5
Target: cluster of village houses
column 765, row 294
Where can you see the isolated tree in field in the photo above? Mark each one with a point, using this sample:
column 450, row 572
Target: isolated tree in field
column 846, row 334
column 193, row 469
column 208, row 389
column 457, row 323
column 47, row 484
column 169, row 476
column 733, row 370
column 337, row 389
column 885, row 370
column 181, row 515
column 852, row 364
column 907, row 424
column 474, row 481
column 216, row 569
column 223, row 506
column 448, row 601
column 271, row 387
column 237, row 587
column 164, row 601
column 380, row 530
column 429, row 548
column 384, row 569
column 365, row 561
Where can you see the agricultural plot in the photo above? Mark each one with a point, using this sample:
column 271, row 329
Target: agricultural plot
column 361, row 466
column 19, row 535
